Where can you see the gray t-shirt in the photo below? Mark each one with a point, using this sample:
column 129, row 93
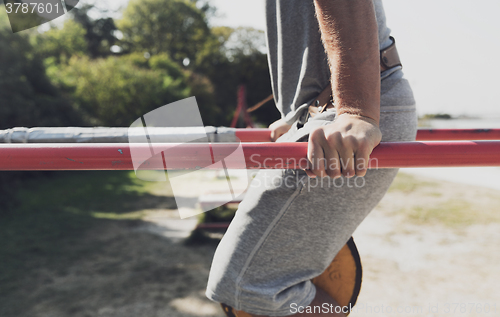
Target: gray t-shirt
column 297, row 60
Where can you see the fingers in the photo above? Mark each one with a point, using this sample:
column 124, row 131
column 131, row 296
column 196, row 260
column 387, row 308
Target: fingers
column 362, row 157
column 315, row 153
column 324, row 155
column 333, row 166
column 344, row 146
column 346, row 150
column 347, row 165
column 339, row 154
column 335, row 155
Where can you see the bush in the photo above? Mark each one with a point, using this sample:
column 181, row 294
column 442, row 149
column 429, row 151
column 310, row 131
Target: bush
column 27, row 97
column 115, row 91
column 63, row 43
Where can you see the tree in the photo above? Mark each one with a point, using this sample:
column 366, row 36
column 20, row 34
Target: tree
column 27, row 97
column 176, row 27
column 62, row 43
column 115, row 91
column 232, row 57
column 99, row 33
column 200, row 86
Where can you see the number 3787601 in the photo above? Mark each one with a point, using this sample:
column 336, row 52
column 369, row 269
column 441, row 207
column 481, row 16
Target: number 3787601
column 34, row 7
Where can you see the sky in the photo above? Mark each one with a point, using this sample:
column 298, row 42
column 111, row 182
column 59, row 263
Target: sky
column 449, row 48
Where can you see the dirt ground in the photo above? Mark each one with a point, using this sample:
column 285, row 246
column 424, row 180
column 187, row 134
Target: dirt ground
column 430, row 248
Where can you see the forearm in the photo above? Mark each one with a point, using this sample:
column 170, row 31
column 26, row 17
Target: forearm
column 349, row 33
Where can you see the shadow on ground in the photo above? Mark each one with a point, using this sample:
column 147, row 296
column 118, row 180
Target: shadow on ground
column 71, row 247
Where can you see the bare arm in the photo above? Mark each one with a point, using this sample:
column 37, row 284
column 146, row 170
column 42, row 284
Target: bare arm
column 349, row 33
column 350, row 36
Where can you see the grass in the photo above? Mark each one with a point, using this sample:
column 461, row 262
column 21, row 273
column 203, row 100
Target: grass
column 407, row 183
column 451, row 213
column 455, row 213
column 53, row 214
column 432, row 203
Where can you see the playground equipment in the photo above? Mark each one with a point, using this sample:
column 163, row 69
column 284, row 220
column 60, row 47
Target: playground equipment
column 205, row 134
column 111, row 156
column 51, row 149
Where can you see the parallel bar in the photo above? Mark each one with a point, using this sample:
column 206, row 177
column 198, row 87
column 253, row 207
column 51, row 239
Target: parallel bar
column 49, row 157
column 187, row 134
column 264, row 135
column 457, row 134
column 253, row 135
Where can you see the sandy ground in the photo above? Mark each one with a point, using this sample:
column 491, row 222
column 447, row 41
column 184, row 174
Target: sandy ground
column 416, row 269
column 421, row 255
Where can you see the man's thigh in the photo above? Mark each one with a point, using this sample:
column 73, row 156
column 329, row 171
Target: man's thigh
column 289, row 227
column 286, row 232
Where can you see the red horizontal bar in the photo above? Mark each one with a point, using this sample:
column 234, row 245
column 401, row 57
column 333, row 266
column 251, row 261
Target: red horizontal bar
column 253, row 135
column 457, row 134
column 264, row 135
column 29, row 157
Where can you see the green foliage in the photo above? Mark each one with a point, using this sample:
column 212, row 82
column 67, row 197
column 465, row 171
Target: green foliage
column 62, row 43
column 81, row 35
column 164, row 62
column 115, row 92
column 200, row 86
column 176, row 27
column 99, row 33
column 27, row 96
column 203, row 89
column 137, row 59
column 232, row 57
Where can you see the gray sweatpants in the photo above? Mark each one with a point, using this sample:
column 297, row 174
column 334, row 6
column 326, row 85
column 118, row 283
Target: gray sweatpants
column 289, row 227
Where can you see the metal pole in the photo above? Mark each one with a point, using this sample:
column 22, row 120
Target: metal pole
column 49, row 157
column 187, row 134
column 264, row 135
column 253, row 135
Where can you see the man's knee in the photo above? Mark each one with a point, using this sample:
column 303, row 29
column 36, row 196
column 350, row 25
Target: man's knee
column 264, row 300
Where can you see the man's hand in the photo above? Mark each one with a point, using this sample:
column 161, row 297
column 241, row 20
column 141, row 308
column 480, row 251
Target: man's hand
column 278, row 128
column 349, row 34
column 342, row 147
